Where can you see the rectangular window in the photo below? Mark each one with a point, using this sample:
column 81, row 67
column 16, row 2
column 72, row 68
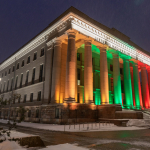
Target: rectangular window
column 35, row 56
column 21, row 80
column 42, row 52
column 19, row 99
column 33, row 75
column 4, row 87
column 111, row 67
column 5, row 73
column 29, row 113
column 11, row 85
column 78, row 56
column 27, row 76
column 31, row 97
column 41, row 73
column 22, row 63
column 16, row 82
column 9, row 71
column 13, row 69
column 57, row 113
column 78, row 100
column 7, row 85
column 25, row 98
column 39, row 96
column 28, row 60
column 18, row 66
column 37, row 113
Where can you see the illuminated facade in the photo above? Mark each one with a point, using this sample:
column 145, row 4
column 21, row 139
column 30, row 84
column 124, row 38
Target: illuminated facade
column 78, row 61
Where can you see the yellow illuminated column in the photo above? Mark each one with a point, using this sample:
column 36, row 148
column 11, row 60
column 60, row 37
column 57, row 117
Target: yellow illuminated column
column 117, row 80
column 55, row 92
column 145, row 88
column 104, row 76
column 88, row 77
column 70, row 69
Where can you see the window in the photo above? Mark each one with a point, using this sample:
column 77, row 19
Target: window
column 78, row 100
column 28, row 60
column 7, row 85
column 33, row 75
column 122, row 86
column 35, row 56
column 25, row 97
column 9, row 71
column 29, row 113
column 22, row 63
column 39, row 96
column 19, row 99
column 18, row 66
column 21, row 80
column 5, row 73
column 41, row 73
column 13, row 69
column 37, row 113
column 42, row 52
column 31, row 97
column 11, row 85
column 78, row 56
column 16, row 82
column 4, row 87
column 57, row 113
column 111, row 67
column 78, row 76
column 121, row 70
column 27, row 76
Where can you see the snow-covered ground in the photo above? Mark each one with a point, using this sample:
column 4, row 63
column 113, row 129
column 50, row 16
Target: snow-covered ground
column 77, row 128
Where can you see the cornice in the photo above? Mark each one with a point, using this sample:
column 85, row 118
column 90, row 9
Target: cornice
column 88, row 29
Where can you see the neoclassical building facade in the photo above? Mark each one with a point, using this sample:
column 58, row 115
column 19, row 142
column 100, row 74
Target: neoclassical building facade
column 75, row 67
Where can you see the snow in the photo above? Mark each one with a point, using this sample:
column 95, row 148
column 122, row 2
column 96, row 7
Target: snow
column 78, row 128
column 139, row 122
column 64, row 147
column 10, row 145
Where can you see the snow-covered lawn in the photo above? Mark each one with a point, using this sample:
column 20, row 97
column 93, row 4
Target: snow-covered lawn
column 77, row 128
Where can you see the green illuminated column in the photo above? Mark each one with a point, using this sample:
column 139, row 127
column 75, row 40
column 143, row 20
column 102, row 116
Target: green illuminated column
column 136, row 85
column 127, row 84
column 117, row 80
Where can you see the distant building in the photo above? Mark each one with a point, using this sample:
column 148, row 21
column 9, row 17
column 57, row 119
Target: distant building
column 73, row 64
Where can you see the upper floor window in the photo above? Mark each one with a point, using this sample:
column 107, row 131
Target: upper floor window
column 27, row 76
column 25, row 98
column 7, row 85
column 35, row 56
column 31, row 97
column 39, row 96
column 33, row 76
column 5, row 73
column 4, row 87
column 28, row 60
column 41, row 73
column 18, row 66
column 21, row 80
column 9, row 71
column 16, row 82
column 11, row 84
column 22, row 63
column 42, row 52
column 13, row 69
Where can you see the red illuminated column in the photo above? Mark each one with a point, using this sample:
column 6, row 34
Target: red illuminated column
column 104, row 84
column 145, row 88
column 70, row 69
column 132, row 82
column 88, row 76
column 55, row 92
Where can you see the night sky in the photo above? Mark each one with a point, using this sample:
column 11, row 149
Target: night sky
column 21, row 20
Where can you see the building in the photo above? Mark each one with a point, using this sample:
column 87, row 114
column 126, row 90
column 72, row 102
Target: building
column 76, row 68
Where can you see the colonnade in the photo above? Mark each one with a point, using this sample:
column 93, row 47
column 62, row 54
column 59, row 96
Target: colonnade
column 132, row 85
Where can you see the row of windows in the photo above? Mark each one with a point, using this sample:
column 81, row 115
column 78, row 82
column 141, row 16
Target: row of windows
column 21, row 80
column 23, row 62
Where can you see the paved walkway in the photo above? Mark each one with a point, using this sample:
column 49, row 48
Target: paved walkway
column 90, row 127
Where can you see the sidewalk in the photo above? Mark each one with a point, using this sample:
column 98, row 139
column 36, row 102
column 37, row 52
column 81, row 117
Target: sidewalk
column 90, row 127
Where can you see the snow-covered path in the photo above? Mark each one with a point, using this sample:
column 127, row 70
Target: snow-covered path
column 77, row 128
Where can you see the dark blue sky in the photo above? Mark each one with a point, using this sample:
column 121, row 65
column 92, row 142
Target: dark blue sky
column 21, row 20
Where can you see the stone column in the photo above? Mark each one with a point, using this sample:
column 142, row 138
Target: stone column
column 132, row 83
column 88, row 76
column 127, row 84
column 145, row 88
column 55, row 91
column 137, row 89
column 117, row 80
column 104, row 86
column 70, row 69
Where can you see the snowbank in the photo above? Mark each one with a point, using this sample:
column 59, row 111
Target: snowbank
column 139, row 122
